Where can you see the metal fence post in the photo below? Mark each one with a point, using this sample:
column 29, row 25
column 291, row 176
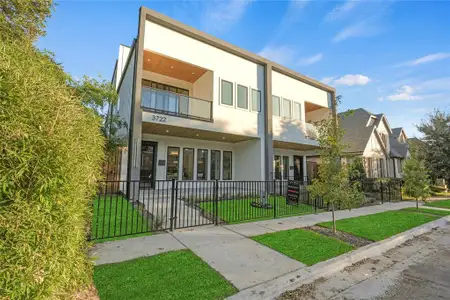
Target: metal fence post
column 389, row 191
column 275, row 201
column 216, row 201
column 172, row 204
column 381, row 190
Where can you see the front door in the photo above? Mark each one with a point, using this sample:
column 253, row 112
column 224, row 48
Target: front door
column 148, row 162
column 298, row 168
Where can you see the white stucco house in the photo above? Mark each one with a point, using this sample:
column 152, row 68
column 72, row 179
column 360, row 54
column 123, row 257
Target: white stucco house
column 370, row 136
column 199, row 108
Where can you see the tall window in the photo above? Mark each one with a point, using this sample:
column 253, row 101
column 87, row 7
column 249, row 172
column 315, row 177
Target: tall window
column 277, row 163
column 297, row 111
column 287, row 108
column 285, row 167
column 202, row 164
column 188, row 163
column 227, row 165
column 227, row 92
column 215, row 164
column 173, row 158
column 276, row 106
column 369, row 167
column 242, row 96
column 256, row 100
column 382, row 174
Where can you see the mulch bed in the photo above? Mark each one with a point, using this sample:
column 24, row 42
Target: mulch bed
column 355, row 241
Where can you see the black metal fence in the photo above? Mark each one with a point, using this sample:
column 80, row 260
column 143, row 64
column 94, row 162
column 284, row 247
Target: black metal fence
column 124, row 208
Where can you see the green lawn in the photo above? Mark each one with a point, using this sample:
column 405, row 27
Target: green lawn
column 428, row 211
column 238, row 211
column 441, row 204
column 114, row 216
column 303, row 245
column 379, row 226
column 171, row 275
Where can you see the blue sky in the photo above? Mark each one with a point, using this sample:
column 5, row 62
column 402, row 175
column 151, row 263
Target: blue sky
column 389, row 57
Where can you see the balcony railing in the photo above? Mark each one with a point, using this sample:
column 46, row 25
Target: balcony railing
column 168, row 103
column 311, row 131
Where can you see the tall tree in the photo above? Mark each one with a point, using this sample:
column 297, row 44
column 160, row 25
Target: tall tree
column 333, row 184
column 436, row 149
column 24, row 19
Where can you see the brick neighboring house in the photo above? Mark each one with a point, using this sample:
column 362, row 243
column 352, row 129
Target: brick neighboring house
column 370, row 136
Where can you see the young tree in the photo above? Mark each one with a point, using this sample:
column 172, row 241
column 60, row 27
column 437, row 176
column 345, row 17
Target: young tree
column 333, row 183
column 436, row 148
column 417, row 182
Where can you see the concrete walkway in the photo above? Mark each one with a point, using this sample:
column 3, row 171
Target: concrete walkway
column 228, row 249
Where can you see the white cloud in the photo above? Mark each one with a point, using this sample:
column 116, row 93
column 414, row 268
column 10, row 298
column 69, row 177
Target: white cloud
column 348, row 80
column 411, row 93
column 340, row 11
column 280, row 54
column 327, row 80
column 405, row 93
column 306, row 61
column 351, row 80
column 426, row 59
column 360, row 29
column 222, row 15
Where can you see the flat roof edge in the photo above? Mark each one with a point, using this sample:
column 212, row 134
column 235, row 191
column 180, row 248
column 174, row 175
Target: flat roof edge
column 192, row 32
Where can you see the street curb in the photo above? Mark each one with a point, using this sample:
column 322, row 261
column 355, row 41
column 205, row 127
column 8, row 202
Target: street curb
column 275, row 287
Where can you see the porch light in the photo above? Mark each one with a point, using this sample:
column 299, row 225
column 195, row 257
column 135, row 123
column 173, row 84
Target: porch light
column 167, row 130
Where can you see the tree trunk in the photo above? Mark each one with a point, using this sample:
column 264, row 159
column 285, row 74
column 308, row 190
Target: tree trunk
column 333, row 217
column 417, row 204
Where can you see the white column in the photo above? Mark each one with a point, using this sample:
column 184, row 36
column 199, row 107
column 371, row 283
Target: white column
column 305, row 171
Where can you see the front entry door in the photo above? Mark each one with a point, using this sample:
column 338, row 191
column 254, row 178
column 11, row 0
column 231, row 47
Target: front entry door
column 298, row 168
column 148, row 163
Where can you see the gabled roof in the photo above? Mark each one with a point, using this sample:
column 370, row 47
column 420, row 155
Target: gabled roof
column 357, row 133
column 398, row 149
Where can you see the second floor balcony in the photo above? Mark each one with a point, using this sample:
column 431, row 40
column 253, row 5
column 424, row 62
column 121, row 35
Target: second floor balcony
column 174, row 104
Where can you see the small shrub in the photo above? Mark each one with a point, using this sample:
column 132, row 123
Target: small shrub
column 50, row 153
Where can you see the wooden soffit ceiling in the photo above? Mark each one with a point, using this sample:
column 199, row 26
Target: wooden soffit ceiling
column 293, row 146
column 171, row 67
column 191, row 133
column 312, row 107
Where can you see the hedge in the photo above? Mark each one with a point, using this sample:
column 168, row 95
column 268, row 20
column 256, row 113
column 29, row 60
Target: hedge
column 50, row 152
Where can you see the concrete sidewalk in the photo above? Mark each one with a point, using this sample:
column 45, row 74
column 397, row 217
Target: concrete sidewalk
column 227, row 249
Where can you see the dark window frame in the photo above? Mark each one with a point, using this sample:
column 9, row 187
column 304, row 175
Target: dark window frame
column 231, row 165
column 167, row 164
column 277, row 171
column 150, row 83
column 220, row 164
column 193, row 164
column 285, row 167
column 205, row 164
